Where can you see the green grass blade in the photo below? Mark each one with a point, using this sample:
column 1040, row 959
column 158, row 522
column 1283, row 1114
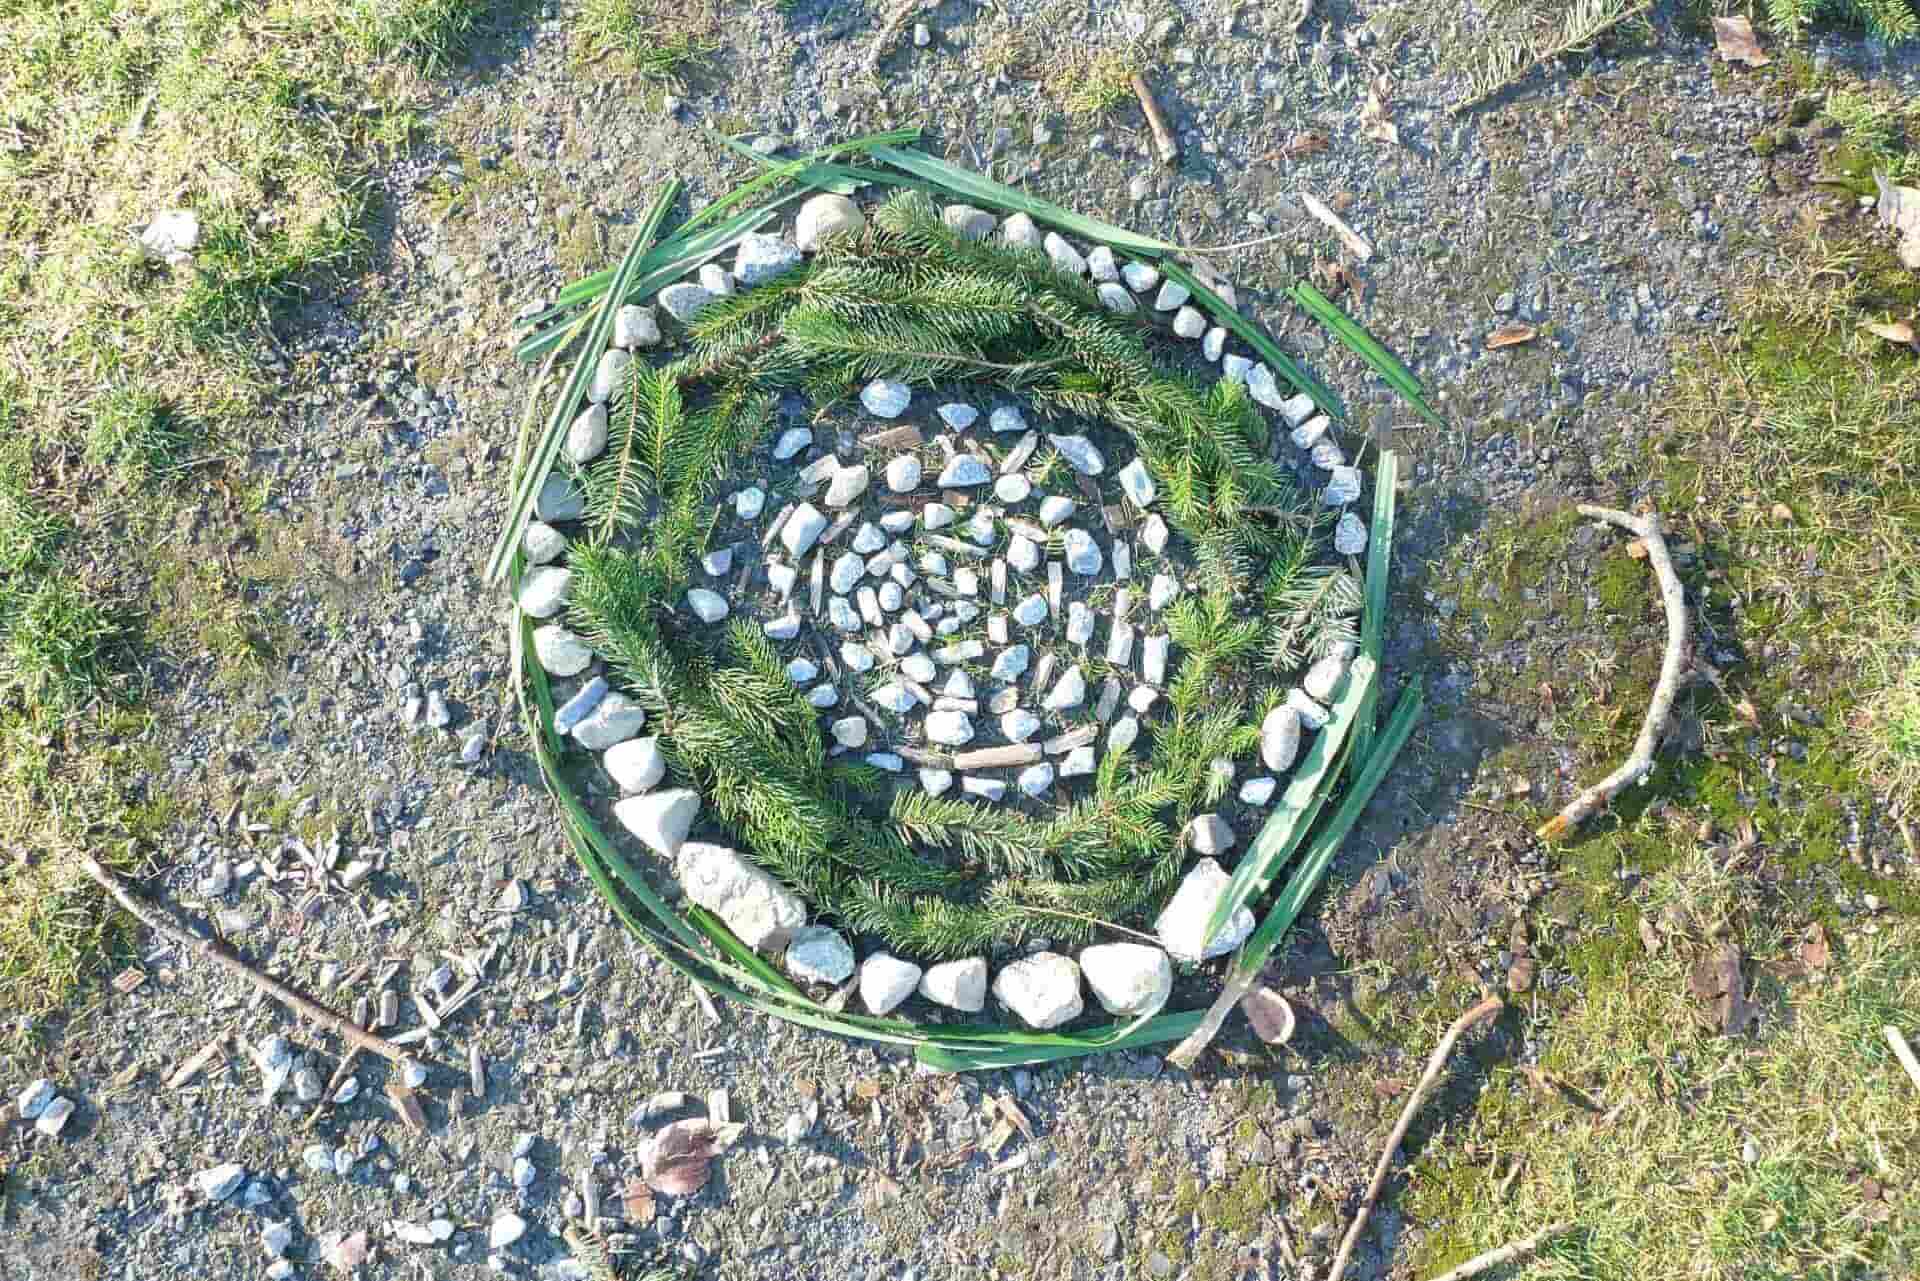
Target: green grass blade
column 1326, row 842
column 1300, row 801
column 1155, row 1031
column 547, row 447
column 964, row 184
column 1367, row 347
column 1264, row 347
column 1386, row 481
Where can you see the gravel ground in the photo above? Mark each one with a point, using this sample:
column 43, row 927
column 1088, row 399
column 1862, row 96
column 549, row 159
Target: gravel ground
column 1611, row 217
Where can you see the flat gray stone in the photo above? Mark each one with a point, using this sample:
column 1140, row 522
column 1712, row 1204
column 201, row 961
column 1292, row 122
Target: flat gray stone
column 1117, row 300
column 1068, row 692
column 1137, row 483
column 1034, row 780
column 1140, row 277
column 967, row 222
column 847, row 485
column 1101, row 265
column 1063, row 256
column 1189, row 322
column 1005, row 419
column 1080, row 453
column 1209, row 834
column 560, row 652
column 587, row 437
column 607, row 374
column 958, row 416
column 1055, row 509
column 617, row 719
column 886, row 398
column 1083, row 555
column 1012, row 664
column 543, row 591
column 1343, row 487
column 790, row 443
column 949, row 729
column 1019, row 725
column 802, row 530
column 819, row 955
column 962, row 472
column 685, row 300
column 707, row 605
column 559, row 499
column 635, row 326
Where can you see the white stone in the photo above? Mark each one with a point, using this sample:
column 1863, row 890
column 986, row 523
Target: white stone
column 1173, row 296
column 1080, row 454
column 963, row 471
column 1262, row 386
column 987, row 789
column 275, row 1236
column 1140, row 277
column 761, row 257
column 1012, row 488
column 892, row 595
column 857, row 657
column 716, row 280
column 802, row 530
column 958, row 416
column 885, row 981
column 1117, row 300
column 938, row 515
column 846, row 573
column 847, row 485
column 850, row 731
column 1234, row 368
column 1079, row 623
column 1214, row 344
column 1042, row 989
column 819, row 955
column 53, row 1118
column 717, row 563
column 1142, row 697
column 1137, row 482
column 1128, row 979
column 1101, row 265
column 823, row 695
column 936, row 781
column 220, row 1182
column 1153, row 534
column 1012, row 664
column 1023, row 554
column 1343, row 487
column 587, row 437
column 918, row 667
column 761, row 912
column 635, row 326
column 505, row 1230
column 1123, row 735
column 823, row 216
column 685, row 300
column 1006, row 419
column 1020, row 232
column 1327, row 454
column 1280, row 738
column 1153, row 658
column 802, row 670
column 1209, row 834
column 949, row 729
column 967, row 222
column 33, row 1100
column 1064, row 256
column 617, row 719
column 900, row 637
column 707, row 605
column 958, row 985
column 1031, row 611
column 636, row 765
column 981, row 528
column 542, row 542
column 1301, row 414
column 868, row 539
column 903, row 473
column 1068, row 692
column 559, row 499
column 1120, row 645
column 842, row 614
column 172, row 236
column 660, row 820
column 560, row 652
column 1258, row 790
column 1324, row 678
column 886, row 398
column 785, row 627
column 750, row 502
column 1162, row 591
column 1019, row 725
column 791, row 442
column 543, row 591
column 1350, row 535
column 1082, row 553
column 1034, row 780
column 1312, row 714
column 1188, row 322
column 1055, row 509
column 1183, row 923
column 577, row 708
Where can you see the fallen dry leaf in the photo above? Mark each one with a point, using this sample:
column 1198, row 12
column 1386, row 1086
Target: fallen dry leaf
column 1356, row 244
column 1748, row 712
column 1637, row 549
column 1306, row 143
column 1388, row 1087
column 639, row 1202
column 677, row 1160
column 1015, row 1117
column 1735, row 39
column 1716, row 977
column 345, row 1253
column 867, row 1088
column 1649, row 936
column 128, row 980
column 1815, row 951
column 1898, row 331
column 1899, row 208
column 407, row 1103
column 1511, row 336
column 1270, row 1013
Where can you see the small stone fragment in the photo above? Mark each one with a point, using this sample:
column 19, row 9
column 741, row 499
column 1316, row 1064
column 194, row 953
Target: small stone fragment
column 543, row 591
column 636, row 765
column 717, row 563
column 1137, row 483
column 1019, row 232
column 1035, row 779
column 1280, row 738
column 1209, row 834
column 936, row 781
column 685, row 300
column 1214, row 344
column 1183, row 923
column 1324, row 677
column 1153, row 534
column 886, row 398
column 850, row 731
column 1188, row 322
column 1011, row 665
column 762, row 258
column 967, row 222
column 1069, row 692
column 1161, row 592
column 1173, row 296
column 1350, row 535
column 1124, row 733
column 1012, row 488
column 559, row 499
column 903, row 473
column 1128, row 979
column 1065, row 257
column 886, row 981
column 1055, row 509
column 749, row 502
column 505, row 1230
column 1140, row 277
column 580, row 706
column 1117, row 300
column 707, row 605
column 221, row 1181
column 949, row 729
column 1297, row 411
column 660, row 820
column 1312, row 714
column 1031, row 611
column 802, row 530
column 716, row 280
column 1082, row 553
column 1263, row 387
column 33, row 1100
column 1042, row 989
column 847, row 485
column 963, row 471
column 1080, row 454
column 819, row 955
column 987, row 789
column 1019, row 725
column 1257, row 790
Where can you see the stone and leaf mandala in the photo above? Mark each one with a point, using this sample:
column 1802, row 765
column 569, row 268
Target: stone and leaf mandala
column 938, row 636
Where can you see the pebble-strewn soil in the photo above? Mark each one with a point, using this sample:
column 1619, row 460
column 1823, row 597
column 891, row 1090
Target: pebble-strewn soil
column 1609, row 205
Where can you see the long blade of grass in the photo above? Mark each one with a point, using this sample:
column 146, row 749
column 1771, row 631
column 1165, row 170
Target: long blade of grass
column 1155, row 1031
column 1300, row 801
column 1268, row 350
column 1326, row 841
column 547, row 447
column 1367, row 347
column 1386, row 481
column 976, row 189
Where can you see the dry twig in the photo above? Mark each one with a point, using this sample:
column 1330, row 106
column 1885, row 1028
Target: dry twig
column 890, row 29
column 304, row 1006
column 1487, row 1008
column 1672, row 667
column 1163, row 140
column 1504, row 1254
column 1903, row 1052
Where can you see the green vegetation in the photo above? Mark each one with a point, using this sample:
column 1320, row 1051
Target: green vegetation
column 653, row 44
column 1891, row 20
column 1088, row 83
column 135, row 376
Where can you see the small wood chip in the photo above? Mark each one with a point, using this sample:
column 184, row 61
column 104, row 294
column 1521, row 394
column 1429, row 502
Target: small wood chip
column 476, row 1073
column 1017, row 456
column 1355, row 243
column 1011, row 1111
column 408, row 1105
column 998, row 757
column 1511, row 336
column 719, row 1107
column 128, row 980
column 904, row 437
column 1079, row 736
column 195, row 1064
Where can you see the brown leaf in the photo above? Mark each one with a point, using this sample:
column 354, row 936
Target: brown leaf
column 1270, row 1014
column 1815, row 951
column 1898, row 331
column 1303, row 144
column 867, row 1088
column 1649, row 937
column 1373, row 119
column 345, row 1253
column 1748, row 712
column 128, row 980
column 639, row 1202
column 1782, row 513
column 1735, row 39
column 1511, row 336
column 1637, row 549
column 1716, row 977
column 407, row 1103
column 1388, row 1087
column 678, row 1159
column 1015, row 1117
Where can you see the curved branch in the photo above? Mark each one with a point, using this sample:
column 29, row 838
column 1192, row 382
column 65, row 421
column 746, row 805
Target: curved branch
column 1640, row 763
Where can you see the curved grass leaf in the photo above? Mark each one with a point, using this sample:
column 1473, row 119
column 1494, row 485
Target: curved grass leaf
column 1373, row 622
column 1366, row 346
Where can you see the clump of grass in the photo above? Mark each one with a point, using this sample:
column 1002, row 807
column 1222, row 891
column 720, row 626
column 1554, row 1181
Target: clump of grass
column 56, row 642
column 1090, row 84
column 29, row 533
column 137, row 431
column 431, row 34
column 655, row 46
column 1890, row 716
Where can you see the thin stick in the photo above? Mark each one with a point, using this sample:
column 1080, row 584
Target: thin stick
column 1903, row 1052
column 333, row 1085
column 1491, row 1006
column 1188, row 1052
column 1163, row 140
column 1672, row 666
column 890, row 29
column 311, row 1010
column 1512, row 1250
